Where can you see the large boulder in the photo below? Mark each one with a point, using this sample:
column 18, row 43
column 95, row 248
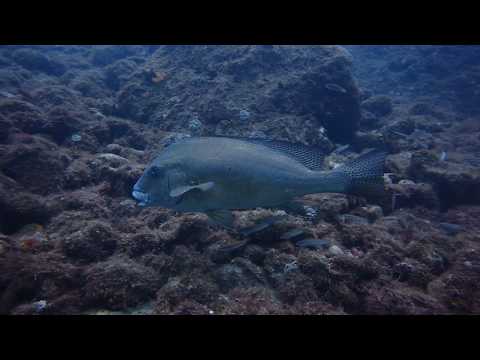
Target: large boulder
column 36, row 164
column 251, row 88
column 455, row 183
column 119, row 283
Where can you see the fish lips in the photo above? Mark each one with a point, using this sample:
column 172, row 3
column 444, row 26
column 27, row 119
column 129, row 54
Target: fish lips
column 142, row 198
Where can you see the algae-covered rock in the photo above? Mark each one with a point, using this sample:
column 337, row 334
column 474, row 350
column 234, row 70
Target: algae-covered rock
column 223, row 78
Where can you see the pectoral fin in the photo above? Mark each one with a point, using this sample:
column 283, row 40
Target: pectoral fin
column 179, row 191
column 222, row 217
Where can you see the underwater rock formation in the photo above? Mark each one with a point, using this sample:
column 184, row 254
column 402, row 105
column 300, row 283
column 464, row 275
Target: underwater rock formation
column 79, row 124
column 216, row 82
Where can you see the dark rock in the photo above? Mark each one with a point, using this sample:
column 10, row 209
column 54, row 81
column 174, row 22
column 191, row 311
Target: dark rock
column 94, row 243
column 298, row 97
column 47, row 97
column 255, row 254
column 90, row 83
column 398, row 164
column 425, row 109
column 404, row 126
column 22, row 114
column 357, row 235
column 239, row 273
column 10, row 79
column 187, row 261
column 401, row 64
column 455, row 183
column 118, row 73
column 378, row 105
column 410, row 195
column 315, row 266
column 368, row 140
column 107, row 54
column 63, row 122
column 37, row 276
column 20, row 208
column 199, row 289
column 328, row 206
column 140, row 244
column 5, row 126
column 37, row 165
column 78, row 174
column 368, row 120
column 119, row 283
column 36, row 61
column 395, row 299
column 188, row 307
column 253, row 300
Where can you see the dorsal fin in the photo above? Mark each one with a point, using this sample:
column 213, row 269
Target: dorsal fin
column 310, row 157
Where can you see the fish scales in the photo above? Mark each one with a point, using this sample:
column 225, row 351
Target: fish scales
column 214, row 174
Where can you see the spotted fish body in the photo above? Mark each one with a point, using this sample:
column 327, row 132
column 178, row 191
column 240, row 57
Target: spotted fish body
column 204, row 174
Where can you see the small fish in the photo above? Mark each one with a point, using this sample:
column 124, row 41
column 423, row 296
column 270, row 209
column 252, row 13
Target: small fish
column 398, row 133
column 262, row 225
column 341, row 149
column 443, row 156
column 313, row 243
column 230, row 250
column 293, row 235
column 451, row 229
column 97, row 112
column 215, row 175
column 335, row 88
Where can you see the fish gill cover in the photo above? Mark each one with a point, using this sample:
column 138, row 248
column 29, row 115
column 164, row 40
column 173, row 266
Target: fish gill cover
column 79, row 125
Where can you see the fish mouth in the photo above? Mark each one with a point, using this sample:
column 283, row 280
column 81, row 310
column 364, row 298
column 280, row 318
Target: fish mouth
column 141, row 197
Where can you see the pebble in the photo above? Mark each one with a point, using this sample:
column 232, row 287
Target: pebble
column 335, row 250
column 76, row 137
column 406, row 182
column 113, row 159
column 244, row 115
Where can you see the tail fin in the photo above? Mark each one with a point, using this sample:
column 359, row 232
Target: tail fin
column 364, row 175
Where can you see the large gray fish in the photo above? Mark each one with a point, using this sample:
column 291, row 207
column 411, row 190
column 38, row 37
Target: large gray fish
column 217, row 174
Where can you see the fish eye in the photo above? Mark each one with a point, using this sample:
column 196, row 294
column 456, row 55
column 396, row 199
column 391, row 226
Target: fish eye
column 154, row 171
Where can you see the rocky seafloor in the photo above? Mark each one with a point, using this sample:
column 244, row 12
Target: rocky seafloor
column 78, row 125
